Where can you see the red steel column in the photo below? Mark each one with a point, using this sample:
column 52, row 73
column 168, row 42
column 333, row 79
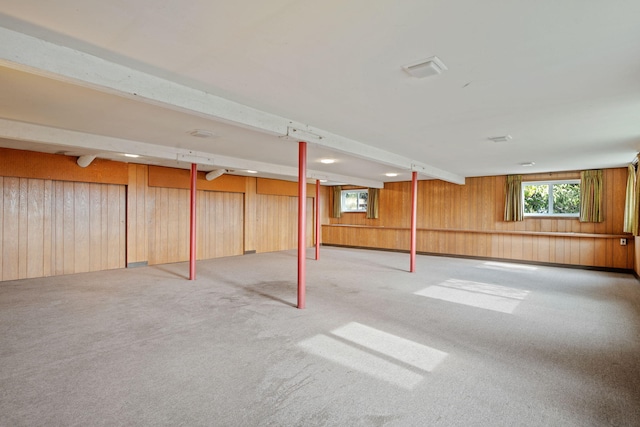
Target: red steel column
column 302, row 222
column 317, row 209
column 192, row 229
column 414, row 217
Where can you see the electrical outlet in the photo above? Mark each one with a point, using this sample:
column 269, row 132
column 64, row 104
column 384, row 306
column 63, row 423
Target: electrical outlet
column 623, row 242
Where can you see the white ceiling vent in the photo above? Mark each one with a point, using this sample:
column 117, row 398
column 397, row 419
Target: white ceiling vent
column 201, row 133
column 426, row 67
column 501, row 138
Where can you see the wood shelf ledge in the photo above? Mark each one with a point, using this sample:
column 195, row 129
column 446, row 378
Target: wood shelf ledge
column 522, row 233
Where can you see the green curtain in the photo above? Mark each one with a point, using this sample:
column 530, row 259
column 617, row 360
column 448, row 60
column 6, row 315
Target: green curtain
column 336, row 208
column 373, row 203
column 636, row 211
column 513, row 210
column 630, row 217
column 591, row 196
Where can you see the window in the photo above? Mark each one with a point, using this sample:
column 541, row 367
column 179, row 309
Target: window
column 551, row 198
column 354, row 200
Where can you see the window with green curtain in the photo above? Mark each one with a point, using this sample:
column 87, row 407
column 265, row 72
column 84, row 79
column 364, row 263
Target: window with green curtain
column 591, row 196
column 336, row 208
column 373, row 203
column 513, row 210
column 630, row 217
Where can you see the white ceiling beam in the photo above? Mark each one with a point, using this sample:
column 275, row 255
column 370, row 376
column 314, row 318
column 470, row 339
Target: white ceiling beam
column 21, row 131
column 30, row 54
column 363, row 151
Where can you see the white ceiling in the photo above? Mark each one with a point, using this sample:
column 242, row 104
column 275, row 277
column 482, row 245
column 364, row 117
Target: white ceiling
column 561, row 77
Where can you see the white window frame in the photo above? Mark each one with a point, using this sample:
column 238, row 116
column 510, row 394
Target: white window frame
column 550, row 184
column 343, row 197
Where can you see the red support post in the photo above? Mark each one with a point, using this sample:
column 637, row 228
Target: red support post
column 414, row 217
column 192, row 226
column 317, row 212
column 302, row 222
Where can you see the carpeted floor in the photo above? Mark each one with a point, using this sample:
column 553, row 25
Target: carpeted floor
column 459, row 343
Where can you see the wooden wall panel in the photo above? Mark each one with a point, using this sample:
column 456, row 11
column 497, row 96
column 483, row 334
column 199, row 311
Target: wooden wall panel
column 180, row 178
column 250, row 215
column 470, row 219
column 277, row 223
column 1, row 224
column 137, row 239
column 30, row 164
column 276, row 187
column 47, row 227
column 220, row 224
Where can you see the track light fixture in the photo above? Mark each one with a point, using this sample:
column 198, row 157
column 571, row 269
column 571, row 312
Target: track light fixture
column 210, row 176
column 84, row 161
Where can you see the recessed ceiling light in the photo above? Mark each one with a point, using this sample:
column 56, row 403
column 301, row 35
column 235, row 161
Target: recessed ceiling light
column 201, row 133
column 327, row 161
column 426, row 67
column 502, row 138
column 323, row 180
column 135, row 156
column 249, row 171
column 391, row 174
column 527, row 164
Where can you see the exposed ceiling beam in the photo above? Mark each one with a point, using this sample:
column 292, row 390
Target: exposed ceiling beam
column 20, row 51
column 363, row 151
column 20, row 131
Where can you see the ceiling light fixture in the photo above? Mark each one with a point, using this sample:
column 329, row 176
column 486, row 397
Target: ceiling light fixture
column 323, row 180
column 527, row 164
column 503, row 138
column 133, row 156
column 250, row 171
column 327, row 161
column 201, row 133
column 426, row 67
column 391, row 174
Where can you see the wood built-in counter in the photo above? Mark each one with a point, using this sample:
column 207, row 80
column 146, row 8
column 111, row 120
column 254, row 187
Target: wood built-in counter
column 583, row 249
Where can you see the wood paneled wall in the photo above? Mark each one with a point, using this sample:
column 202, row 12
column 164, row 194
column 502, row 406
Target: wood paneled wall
column 468, row 220
column 137, row 236
column 59, row 218
column 31, row 164
column 55, row 227
column 277, row 223
column 220, row 219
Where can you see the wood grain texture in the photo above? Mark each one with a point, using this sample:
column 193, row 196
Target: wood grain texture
column 137, row 237
column 276, row 187
column 30, row 164
column 220, row 224
column 180, row 178
column 467, row 220
column 55, row 227
column 277, row 223
column 250, row 215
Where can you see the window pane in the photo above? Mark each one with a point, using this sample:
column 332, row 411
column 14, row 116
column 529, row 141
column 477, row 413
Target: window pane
column 354, row 200
column 362, row 201
column 536, row 199
column 351, row 201
column 566, row 198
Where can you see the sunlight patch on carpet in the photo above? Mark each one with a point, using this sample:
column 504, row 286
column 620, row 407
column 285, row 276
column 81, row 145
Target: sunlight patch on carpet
column 481, row 295
column 507, row 266
column 376, row 353
column 404, row 350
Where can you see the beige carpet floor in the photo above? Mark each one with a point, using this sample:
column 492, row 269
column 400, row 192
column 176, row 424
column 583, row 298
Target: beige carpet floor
column 458, row 343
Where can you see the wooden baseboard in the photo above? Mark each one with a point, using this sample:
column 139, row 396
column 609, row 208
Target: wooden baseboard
column 509, row 260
